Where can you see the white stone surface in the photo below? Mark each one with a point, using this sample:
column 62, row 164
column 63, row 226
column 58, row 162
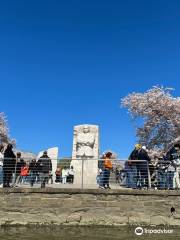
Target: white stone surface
column 85, row 154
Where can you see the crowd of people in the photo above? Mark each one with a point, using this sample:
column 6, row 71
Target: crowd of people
column 14, row 170
column 66, row 175
column 139, row 172
column 142, row 172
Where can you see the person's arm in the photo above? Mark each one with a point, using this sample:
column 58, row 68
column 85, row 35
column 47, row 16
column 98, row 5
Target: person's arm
column 13, row 155
column 133, row 155
column 148, row 158
column 130, row 157
column 39, row 164
column 50, row 164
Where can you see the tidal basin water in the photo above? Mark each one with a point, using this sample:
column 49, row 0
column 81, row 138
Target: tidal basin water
column 81, row 233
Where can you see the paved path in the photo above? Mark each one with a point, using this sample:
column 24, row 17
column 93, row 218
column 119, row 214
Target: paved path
column 69, row 186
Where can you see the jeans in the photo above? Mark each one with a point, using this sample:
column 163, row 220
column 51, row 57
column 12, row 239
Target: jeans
column 44, row 178
column 106, row 176
column 24, row 179
column 64, row 180
column 32, row 178
column 170, row 178
column 7, row 176
column 162, row 177
column 131, row 176
column 99, row 179
column 71, row 178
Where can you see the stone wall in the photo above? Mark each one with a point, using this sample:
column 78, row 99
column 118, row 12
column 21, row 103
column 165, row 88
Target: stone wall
column 88, row 207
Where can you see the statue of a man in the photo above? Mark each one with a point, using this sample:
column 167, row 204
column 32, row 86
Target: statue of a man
column 85, row 144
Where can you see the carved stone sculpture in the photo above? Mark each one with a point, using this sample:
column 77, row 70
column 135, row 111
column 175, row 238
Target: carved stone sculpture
column 86, row 141
column 85, row 154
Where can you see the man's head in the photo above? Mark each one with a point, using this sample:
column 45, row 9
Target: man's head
column 86, row 129
column 45, row 153
column 18, row 154
column 138, row 146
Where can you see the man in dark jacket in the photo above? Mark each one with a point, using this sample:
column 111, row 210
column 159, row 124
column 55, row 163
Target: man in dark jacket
column 8, row 165
column 44, row 167
column 131, row 169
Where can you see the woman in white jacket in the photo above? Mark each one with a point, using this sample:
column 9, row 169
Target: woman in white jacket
column 64, row 175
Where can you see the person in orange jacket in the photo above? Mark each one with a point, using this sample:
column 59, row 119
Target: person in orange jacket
column 106, row 171
column 24, row 173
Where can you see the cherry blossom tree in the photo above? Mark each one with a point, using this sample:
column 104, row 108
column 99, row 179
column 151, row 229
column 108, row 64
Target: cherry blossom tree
column 3, row 129
column 159, row 114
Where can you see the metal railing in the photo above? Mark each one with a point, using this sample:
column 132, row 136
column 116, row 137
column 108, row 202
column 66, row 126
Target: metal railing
column 88, row 174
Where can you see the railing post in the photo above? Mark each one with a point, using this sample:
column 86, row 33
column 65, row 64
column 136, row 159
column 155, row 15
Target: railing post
column 82, row 180
column 149, row 176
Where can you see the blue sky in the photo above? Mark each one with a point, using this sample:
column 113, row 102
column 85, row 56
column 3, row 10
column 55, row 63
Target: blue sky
column 64, row 63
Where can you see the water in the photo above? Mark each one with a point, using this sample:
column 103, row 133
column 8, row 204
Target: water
column 80, row 233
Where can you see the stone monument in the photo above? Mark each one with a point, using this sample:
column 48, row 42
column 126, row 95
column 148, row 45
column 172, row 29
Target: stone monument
column 85, row 155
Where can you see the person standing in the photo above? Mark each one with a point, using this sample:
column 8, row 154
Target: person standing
column 8, row 165
column 45, row 167
column 131, row 168
column 71, row 175
column 64, row 175
column 33, row 172
column 107, row 170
